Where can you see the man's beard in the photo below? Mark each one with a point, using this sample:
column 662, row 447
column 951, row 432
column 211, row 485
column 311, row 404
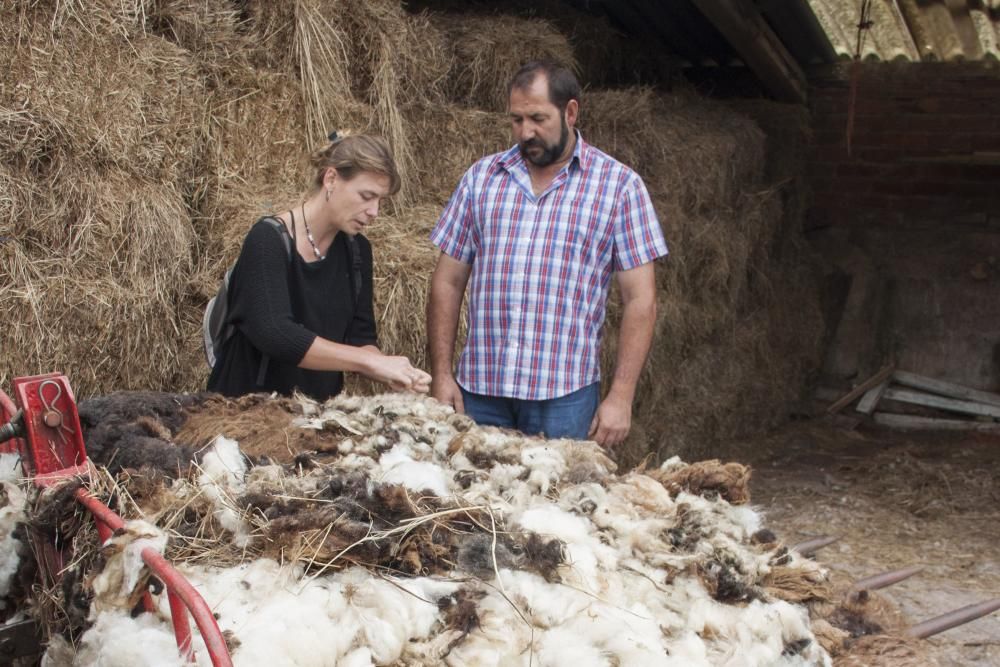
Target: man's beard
column 549, row 154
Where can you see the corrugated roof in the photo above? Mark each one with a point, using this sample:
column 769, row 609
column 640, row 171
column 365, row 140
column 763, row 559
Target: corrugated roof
column 914, row 29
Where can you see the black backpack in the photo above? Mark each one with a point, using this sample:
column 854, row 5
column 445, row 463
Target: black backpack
column 216, row 329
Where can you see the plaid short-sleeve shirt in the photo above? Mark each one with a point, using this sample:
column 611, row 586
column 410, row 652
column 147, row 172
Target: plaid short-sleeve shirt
column 541, row 267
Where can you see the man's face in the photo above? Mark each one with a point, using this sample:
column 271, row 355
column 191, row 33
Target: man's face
column 539, row 128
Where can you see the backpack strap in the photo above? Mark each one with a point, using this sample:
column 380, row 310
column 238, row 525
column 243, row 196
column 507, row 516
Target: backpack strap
column 354, row 252
column 274, row 221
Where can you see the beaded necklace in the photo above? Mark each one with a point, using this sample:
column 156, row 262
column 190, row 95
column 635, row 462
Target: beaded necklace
column 309, row 235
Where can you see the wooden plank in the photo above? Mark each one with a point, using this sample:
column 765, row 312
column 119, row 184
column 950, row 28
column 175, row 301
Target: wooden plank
column 933, row 401
column 915, row 423
column 748, row 33
column 868, row 384
column 870, row 400
column 949, row 389
column 984, row 158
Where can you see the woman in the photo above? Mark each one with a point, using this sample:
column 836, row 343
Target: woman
column 299, row 319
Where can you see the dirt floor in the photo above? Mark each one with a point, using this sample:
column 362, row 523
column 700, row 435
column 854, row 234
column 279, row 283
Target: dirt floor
column 895, row 499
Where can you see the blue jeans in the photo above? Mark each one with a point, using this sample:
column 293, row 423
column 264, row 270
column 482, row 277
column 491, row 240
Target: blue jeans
column 567, row 416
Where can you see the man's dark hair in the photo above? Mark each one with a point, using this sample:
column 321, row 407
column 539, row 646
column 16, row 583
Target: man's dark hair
column 563, row 85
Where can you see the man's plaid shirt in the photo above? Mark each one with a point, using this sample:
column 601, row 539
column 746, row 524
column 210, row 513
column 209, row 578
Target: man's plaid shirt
column 541, row 267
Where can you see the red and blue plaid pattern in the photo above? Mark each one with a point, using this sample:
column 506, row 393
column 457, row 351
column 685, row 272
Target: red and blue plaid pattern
column 541, row 267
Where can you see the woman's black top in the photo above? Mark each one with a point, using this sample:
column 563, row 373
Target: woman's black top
column 280, row 304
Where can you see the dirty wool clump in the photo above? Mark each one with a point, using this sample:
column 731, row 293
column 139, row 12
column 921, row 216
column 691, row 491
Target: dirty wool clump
column 419, row 538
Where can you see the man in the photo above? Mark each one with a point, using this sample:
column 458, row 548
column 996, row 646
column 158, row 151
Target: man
column 540, row 229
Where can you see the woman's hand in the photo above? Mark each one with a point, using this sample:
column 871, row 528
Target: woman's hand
column 398, row 373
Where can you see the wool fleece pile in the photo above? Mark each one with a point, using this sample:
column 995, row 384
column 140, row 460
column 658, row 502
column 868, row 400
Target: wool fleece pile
column 389, row 530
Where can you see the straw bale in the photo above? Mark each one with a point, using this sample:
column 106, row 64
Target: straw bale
column 487, row 50
column 687, row 148
column 607, row 57
column 399, row 60
column 254, row 163
column 127, row 103
column 452, row 138
column 208, row 28
column 789, row 134
column 109, row 283
column 737, row 333
column 98, row 18
column 368, row 50
column 604, row 55
column 404, row 261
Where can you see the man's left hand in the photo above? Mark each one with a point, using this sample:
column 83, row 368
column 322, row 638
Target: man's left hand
column 612, row 422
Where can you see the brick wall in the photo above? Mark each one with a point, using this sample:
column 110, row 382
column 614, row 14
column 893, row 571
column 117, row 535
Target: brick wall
column 921, row 145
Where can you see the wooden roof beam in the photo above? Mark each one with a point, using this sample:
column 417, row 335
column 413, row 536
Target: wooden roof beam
column 749, row 34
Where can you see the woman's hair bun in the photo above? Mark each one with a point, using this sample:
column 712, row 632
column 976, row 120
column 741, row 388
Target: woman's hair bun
column 337, row 135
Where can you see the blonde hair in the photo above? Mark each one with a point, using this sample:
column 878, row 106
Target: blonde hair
column 352, row 154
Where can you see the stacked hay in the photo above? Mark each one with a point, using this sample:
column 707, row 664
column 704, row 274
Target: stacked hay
column 487, row 50
column 140, row 141
column 98, row 137
column 388, row 530
column 738, row 325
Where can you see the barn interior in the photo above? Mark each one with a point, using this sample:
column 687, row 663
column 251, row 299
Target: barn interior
column 825, row 172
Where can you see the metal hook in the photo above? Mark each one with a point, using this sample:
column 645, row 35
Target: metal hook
column 41, row 394
column 53, row 417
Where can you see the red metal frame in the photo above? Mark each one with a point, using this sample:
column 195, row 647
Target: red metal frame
column 53, row 452
column 7, row 412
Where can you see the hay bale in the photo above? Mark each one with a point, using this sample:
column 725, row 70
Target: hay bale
column 357, row 51
column 209, row 28
column 404, row 261
column 487, row 50
column 100, row 303
column 605, row 56
column 254, row 163
column 789, row 134
column 99, row 135
column 131, row 104
column 452, row 137
column 687, row 148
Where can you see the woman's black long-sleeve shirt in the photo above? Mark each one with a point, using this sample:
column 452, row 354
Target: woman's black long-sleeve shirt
column 279, row 305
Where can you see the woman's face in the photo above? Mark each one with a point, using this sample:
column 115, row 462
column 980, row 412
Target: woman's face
column 354, row 203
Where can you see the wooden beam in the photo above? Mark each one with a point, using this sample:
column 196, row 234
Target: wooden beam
column 950, row 404
column 868, row 384
column 749, row 34
column 915, row 423
column 867, row 404
column 653, row 16
column 949, row 389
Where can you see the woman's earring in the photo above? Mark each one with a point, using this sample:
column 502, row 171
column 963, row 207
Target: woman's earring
column 328, row 194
